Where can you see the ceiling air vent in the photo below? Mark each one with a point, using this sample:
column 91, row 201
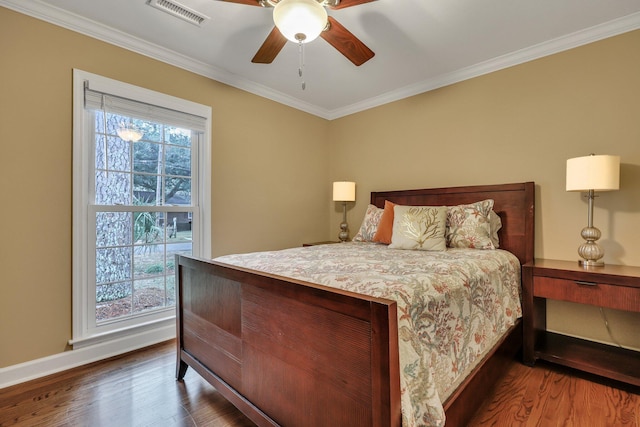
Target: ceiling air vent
column 178, row 10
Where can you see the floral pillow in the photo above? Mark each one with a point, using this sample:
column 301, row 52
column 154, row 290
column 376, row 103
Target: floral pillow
column 369, row 224
column 419, row 227
column 468, row 226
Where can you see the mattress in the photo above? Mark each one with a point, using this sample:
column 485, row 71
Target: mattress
column 453, row 306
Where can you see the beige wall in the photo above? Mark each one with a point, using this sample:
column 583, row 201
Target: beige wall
column 270, row 185
column 518, row 124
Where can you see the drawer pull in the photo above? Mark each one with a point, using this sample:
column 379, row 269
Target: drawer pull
column 583, row 283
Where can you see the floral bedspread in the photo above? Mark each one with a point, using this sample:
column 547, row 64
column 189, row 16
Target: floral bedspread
column 453, row 306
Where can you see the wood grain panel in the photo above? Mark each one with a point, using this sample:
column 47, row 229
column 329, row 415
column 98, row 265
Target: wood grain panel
column 294, row 396
column 623, row 275
column 209, row 321
column 598, row 294
column 213, row 298
column 333, row 299
column 306, row 337
column 385, row 356
column 210, row 349
column 213, row 334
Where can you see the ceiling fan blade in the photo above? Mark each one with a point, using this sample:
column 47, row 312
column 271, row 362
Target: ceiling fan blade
column 346, row 43
column 247, row 2
column 349, row 3
column 273, row 44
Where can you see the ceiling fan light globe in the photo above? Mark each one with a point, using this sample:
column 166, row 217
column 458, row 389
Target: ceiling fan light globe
column 300, row 21
column 129, row 132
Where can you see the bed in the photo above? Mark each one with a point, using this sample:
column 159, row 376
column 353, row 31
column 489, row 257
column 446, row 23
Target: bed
column 293, row 352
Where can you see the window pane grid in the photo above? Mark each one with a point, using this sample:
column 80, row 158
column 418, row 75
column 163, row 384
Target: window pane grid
column 135, row 254
column 144, row 212
column 155, row 170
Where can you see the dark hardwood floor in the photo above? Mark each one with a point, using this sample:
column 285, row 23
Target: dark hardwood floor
column 139, row 389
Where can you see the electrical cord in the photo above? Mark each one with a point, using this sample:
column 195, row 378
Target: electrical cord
column 606, row 324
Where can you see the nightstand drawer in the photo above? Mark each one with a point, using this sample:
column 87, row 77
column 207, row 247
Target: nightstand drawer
column 599, row 294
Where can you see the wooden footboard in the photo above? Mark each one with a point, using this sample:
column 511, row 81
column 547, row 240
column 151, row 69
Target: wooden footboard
column 288, row 352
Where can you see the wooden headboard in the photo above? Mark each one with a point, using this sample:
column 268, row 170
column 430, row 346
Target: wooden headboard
column 513, row 202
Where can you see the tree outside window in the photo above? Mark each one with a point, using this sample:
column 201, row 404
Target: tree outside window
column 135, row 249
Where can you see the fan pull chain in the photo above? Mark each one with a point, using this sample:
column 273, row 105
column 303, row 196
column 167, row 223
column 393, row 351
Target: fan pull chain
column 301, row 64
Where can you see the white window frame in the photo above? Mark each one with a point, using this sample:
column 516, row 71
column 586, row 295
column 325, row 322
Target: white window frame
column 85, row 331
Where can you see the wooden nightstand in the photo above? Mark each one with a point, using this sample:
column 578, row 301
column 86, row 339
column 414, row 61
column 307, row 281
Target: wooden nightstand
column 326, row 242
column 611, row 286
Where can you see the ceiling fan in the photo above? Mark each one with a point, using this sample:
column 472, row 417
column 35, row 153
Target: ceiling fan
column 313, row 10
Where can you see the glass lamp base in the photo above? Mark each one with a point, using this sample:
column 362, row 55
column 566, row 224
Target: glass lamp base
column 590, row 251
column 590, row 263
column 344, row 233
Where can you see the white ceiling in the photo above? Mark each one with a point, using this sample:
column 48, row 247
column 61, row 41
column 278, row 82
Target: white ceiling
column 419, row 45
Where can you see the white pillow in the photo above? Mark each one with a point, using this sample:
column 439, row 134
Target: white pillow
column 419, row 227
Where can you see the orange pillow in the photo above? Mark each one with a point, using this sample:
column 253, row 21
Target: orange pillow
column 385, row 226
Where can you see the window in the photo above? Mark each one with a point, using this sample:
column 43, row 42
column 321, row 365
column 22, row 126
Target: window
column 141, row 182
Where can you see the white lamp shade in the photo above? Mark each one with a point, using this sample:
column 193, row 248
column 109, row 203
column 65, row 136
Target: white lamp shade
column 344, row 191
column 300, row 20
column 599, row 173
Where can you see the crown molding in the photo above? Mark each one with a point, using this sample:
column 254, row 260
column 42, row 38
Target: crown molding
column 59, row 17
column 560, row 44
column 90, row 28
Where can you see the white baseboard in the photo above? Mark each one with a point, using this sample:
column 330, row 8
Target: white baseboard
column 37, row 368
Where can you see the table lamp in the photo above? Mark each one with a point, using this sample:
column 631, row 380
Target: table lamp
column 590, row 174
column 344, row 191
